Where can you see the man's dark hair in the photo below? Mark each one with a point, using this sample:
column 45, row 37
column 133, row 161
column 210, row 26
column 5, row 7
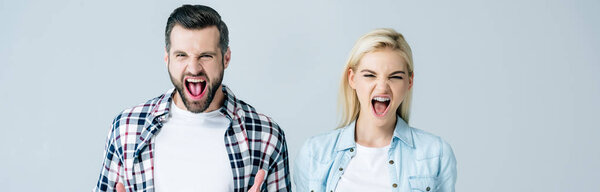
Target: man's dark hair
column 197, row 17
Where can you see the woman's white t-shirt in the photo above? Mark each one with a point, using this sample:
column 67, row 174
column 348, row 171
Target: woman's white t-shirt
column 367, row 171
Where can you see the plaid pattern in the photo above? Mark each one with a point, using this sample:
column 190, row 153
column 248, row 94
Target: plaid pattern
column 253, row 142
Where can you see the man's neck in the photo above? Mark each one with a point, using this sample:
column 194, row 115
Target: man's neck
column 217, row 101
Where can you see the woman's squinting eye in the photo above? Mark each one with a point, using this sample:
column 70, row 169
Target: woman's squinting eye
column 368, row 75
column 397, row 77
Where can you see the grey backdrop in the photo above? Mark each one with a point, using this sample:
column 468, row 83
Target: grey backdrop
column 512, row 85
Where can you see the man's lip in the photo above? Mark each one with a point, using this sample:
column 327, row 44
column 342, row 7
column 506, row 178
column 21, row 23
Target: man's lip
column 189, row 77
column 188, row 92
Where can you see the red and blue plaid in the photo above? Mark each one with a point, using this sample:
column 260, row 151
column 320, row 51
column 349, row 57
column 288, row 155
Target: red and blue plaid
column 253, row 141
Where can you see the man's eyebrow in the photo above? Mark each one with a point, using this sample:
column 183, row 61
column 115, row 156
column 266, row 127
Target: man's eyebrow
column 209, row 53
column 203, row 53
column 178, row 51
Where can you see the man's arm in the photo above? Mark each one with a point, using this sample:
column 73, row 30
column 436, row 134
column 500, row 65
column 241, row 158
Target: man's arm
column 112, row 168
column 278, row 178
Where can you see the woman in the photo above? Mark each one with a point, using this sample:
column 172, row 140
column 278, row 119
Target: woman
column 375, row 149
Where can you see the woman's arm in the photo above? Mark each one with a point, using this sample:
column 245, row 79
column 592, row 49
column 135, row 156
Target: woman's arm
column 302, row 168
column 447, row 175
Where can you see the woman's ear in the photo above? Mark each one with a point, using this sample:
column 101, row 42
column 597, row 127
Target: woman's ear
column 410, row 80
column 351, row 78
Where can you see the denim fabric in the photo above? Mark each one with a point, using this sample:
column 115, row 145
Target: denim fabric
column 418, row 161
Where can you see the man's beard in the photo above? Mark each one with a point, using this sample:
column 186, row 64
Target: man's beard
column 198, row 106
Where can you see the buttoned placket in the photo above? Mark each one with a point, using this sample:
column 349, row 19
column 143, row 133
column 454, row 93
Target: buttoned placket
column 393, row 165
column 338, row 171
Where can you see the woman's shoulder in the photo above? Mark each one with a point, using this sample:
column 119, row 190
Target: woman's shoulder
column 429, row 144
column 321, row 145
column 326, row 137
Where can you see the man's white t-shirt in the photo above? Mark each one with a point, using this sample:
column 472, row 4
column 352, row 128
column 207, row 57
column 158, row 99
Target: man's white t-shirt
column 367, row 171
column 190, row 153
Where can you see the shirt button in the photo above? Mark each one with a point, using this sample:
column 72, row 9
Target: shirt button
column 394, row 185
column 341, row 169
column 427, row 189
column 351, row 149
column 391, row 162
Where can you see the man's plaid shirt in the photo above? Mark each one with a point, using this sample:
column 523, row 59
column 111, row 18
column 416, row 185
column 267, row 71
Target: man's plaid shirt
column 253, row 142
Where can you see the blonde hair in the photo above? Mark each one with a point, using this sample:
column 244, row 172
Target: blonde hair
column 375, row 40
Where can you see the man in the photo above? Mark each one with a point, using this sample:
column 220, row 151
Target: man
column 197, row 136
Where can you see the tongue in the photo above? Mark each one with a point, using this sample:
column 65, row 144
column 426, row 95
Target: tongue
column 379, row 107
column 195, row 89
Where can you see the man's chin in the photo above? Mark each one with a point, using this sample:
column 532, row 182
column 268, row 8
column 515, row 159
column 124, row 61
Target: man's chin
column 195, row 106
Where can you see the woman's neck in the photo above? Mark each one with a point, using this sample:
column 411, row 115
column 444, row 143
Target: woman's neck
column 372, row 132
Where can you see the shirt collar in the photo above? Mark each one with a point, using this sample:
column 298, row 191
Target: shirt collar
column 402, row 132
column 161, row 110
column 230, row 103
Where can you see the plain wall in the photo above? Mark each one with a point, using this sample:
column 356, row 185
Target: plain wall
column 513, row 86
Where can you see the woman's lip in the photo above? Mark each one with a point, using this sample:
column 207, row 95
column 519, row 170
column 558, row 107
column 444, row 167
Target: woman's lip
column 384, row 96
column 387, row 108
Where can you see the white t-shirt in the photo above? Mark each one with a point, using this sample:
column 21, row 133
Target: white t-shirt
column 367, row 171
column 190, row 153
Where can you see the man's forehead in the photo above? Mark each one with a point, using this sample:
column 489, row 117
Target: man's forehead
column 204, row 38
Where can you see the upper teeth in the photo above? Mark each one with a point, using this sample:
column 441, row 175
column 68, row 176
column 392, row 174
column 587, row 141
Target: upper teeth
column 195, row 80
column 382, row 99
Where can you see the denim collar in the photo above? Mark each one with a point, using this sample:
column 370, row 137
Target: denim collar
column 402, row 132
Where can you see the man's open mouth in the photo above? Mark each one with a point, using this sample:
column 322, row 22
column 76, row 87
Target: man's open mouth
column 195, row 87
column 380, row 105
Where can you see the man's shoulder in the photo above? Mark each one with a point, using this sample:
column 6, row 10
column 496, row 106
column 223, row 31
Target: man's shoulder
column 254, row 120
column 138, row 114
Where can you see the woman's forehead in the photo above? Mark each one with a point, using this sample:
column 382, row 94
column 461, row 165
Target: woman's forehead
column 382, row 60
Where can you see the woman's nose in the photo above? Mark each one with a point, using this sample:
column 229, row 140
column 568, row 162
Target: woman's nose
column 382, row 85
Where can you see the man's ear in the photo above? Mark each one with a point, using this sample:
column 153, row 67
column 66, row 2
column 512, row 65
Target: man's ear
column 166, row 57
column 351, row 78
column 226, row 58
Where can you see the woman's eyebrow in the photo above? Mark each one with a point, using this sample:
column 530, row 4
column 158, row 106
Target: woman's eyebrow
column 397, row 72
column 368, row 71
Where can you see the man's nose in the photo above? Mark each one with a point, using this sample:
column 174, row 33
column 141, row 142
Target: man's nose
column 195, row 67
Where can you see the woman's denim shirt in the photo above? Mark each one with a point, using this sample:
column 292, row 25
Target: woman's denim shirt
column 418, row 161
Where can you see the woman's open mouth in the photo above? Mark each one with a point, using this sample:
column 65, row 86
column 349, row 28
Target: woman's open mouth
column 195, row 87
column 380, row 105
